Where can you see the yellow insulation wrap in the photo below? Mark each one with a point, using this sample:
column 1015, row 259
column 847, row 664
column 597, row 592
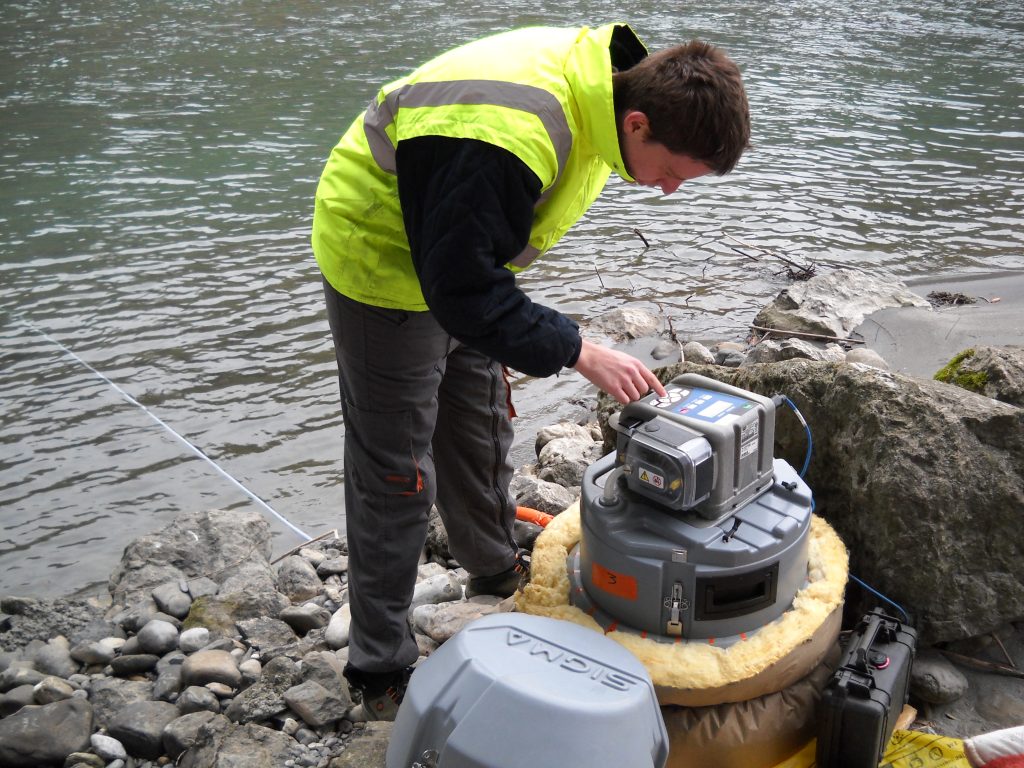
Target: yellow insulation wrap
column 696, row 673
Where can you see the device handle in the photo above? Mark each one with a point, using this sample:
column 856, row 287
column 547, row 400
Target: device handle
column 859, row 659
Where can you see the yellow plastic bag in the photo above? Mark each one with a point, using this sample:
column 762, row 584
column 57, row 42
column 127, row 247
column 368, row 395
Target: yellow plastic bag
column 907, row 749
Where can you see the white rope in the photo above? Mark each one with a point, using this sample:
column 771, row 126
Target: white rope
column 167, row 427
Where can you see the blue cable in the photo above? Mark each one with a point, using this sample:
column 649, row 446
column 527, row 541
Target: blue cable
column 876, row 593
column 807, row 429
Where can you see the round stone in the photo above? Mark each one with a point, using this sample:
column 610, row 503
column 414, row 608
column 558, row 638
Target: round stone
column 158, row 637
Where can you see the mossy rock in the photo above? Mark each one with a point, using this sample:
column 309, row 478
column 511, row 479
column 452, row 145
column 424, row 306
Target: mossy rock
column 215, row 614
column 953, row 373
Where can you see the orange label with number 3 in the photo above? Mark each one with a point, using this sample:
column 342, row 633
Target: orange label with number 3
column 618, row 584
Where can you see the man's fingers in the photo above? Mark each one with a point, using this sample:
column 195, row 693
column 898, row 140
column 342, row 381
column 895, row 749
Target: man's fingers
column 619, row 374
column 644, row 381
column 654, row 383
column 632, row 392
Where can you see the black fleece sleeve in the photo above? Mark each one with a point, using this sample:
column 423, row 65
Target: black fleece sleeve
column 468, row 208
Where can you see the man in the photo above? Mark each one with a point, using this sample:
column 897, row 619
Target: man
column 455, row 178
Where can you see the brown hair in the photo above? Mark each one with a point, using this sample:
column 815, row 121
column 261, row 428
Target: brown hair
column 693, row 98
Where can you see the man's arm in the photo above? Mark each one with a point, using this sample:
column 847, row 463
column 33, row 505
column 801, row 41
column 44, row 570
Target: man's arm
column 468, row 209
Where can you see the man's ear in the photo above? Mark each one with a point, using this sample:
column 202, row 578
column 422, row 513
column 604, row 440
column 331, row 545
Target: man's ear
column 636, row 122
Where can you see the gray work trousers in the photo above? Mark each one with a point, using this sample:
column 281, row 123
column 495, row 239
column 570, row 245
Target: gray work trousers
column 426, row 421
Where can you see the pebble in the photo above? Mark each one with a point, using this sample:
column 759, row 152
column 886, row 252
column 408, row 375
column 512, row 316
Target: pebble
column 866, row 357
column 52, row 689
column 442, row 588
column 125, row 666
column 192, row 640
column 84, row 760
column 220, row 689
column 303, row 618
column 338, row 628
column 313, row 556
column 208, row 666
column 107, row 747
column 935, row 680
column 695, row 352
column 172, row 599
column 16, row 698
column 158, row 637
column 197, row 699
column 93, row 653
column 54, row 658
column 332, row 567
column 251, row 670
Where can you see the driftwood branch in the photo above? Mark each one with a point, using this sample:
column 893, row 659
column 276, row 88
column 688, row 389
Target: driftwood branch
column 331, row 533
column 796, row 271
column 1009, row 658
column 805, row 335
column 987, row 666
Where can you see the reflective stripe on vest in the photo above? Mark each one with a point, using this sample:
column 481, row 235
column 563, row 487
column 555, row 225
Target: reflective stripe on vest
column 526, row 98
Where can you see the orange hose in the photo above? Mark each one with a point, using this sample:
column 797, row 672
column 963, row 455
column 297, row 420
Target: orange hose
column 535, row 516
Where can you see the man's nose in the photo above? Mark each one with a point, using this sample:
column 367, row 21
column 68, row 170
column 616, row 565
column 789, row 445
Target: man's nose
column 670, row 186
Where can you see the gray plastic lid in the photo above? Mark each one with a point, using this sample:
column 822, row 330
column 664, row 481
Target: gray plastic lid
column 512, row 689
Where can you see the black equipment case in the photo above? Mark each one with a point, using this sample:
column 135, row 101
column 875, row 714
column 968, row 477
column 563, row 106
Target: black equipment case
column 866, row 694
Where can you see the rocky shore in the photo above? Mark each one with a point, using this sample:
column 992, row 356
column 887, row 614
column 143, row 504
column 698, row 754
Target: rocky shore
column 211, row 652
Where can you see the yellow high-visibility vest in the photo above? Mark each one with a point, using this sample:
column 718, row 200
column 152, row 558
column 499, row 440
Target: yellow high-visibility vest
column 551, row 107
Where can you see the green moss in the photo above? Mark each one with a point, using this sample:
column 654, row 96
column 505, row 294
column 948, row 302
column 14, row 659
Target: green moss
column 974, row 381
column 212, row 613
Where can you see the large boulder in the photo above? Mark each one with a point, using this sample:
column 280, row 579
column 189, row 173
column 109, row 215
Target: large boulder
column 923, row 481
column 40, row 736
column 368, row 751
column 265, row 698
column 221, row 613
column 564, row 460
column 996, row 372
column 28, row 619
column 224, row 744
column 628, row 322
column 110, row 695
column 835, row 303
column 216, row 541
column 530, row 491
column 140, row 727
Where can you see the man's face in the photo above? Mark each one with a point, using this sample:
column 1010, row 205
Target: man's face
column 650, row 162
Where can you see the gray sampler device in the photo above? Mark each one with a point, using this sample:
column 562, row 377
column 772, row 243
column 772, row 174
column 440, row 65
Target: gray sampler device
column 511, row 689
column 691, row 528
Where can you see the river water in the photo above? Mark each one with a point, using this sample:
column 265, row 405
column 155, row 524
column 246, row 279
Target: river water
column 158, row 166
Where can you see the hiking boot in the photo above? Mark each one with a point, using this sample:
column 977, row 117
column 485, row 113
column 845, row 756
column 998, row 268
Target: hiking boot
column 382, row 693
column 504, row 584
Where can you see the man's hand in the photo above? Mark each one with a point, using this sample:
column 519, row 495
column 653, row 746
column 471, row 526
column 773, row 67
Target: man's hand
column 620, row 375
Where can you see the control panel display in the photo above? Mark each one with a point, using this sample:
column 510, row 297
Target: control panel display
column 703, row 404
